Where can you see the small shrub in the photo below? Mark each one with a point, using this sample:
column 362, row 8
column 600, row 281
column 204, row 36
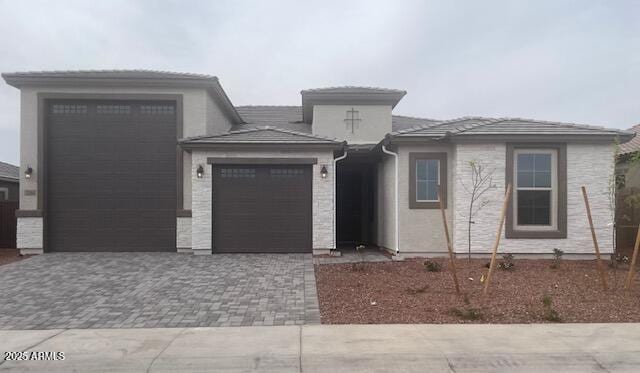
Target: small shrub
column 431, row 266
column 557, row 258
column 549, row 314
column 467, row 314
column 507, row 262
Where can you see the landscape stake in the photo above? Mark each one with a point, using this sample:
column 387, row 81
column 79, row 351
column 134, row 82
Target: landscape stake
column 603, row 277
column 632, row 265
column 449, row 245
column 505, row 204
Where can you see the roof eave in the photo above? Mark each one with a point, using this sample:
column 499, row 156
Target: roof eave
column 210, row 84
column 262, row 145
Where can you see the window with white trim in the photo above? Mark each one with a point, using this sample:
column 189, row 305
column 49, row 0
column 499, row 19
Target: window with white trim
column 536, row 189
column 427, row 180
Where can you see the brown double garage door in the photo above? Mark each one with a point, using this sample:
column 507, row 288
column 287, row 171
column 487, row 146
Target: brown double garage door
column 262, row 208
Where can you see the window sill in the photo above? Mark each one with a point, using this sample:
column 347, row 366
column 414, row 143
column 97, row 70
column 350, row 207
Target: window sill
column 546, row 234
column 415, row 205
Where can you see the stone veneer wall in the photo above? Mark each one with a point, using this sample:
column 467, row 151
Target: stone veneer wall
column 587, row 164
column 201, row 200
column 30, row 235
column 183, row 234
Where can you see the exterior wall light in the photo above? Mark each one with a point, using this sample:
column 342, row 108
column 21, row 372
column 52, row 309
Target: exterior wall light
column 323, row 172
column 28, row 172
column 200, row 172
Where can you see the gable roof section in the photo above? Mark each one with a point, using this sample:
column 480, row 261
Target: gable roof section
column 633, row 145
column 119, row 78
column 477, row 127
column 259, row 136
column 9, row 172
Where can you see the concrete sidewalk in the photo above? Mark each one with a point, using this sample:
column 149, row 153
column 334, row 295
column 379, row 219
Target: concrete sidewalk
column 339, row 348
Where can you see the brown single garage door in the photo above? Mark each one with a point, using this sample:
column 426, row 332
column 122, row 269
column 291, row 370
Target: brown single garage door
column 262, row 208
column 111, row 175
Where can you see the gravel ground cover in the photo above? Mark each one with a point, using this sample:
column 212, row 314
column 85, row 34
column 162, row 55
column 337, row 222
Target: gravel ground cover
column 530, row 292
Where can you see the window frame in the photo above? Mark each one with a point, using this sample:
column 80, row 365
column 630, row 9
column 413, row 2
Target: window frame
column 558, row 226
column 441, row 157
column 553, row 188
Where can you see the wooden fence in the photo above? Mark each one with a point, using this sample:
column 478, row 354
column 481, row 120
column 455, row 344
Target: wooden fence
column 8, row 224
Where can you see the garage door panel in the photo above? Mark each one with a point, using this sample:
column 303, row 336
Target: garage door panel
column 105, row 183
column 262, row 208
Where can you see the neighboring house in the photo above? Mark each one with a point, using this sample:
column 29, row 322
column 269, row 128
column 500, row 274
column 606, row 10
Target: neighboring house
column 158, row 161
column 628, row 192
column 9, row 179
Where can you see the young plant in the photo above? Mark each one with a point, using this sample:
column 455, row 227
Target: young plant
column 557, row 258
column 507, row 262
column 480, row 182
column 467, row 314
column 549, row 314
column 431, row 266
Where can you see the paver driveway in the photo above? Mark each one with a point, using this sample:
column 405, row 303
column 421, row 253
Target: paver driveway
column 119, row 290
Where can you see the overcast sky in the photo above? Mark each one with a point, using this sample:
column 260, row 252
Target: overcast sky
column 576, row 61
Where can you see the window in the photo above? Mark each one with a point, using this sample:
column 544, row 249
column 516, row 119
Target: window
column 68, row 109
column 427, row 171
column 427, row 180
column 157, row 109
column 113, row 109
column 538, row 177
column 238, row 172
column 4, row 194
column 535, row 188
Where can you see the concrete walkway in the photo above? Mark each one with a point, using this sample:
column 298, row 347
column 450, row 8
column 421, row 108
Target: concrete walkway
column 348, row 348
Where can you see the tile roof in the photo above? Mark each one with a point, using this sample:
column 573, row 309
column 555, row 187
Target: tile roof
column 634, row 144
column 9, row 171
column 475, row 126
column 261, row 135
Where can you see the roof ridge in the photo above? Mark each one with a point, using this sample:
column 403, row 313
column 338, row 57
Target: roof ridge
column 274, row 106
column 487, row 121
column 438, row 124
column 412, row 117
column 571, row 124
column 261, row 128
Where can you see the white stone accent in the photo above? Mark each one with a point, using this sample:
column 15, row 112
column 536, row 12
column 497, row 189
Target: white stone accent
column 29, row 234
column 201, row 196
column 587, row 164
column 183, row 233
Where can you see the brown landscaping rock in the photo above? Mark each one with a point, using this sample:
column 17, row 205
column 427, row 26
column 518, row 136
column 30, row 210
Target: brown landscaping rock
column 404, row 292
column 10, row 255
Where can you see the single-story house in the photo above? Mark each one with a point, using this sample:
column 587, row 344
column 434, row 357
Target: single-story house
column 143, row 160
column 9, row 180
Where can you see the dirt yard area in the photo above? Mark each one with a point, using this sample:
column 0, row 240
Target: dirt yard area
column 530, row 292
column 10, row 255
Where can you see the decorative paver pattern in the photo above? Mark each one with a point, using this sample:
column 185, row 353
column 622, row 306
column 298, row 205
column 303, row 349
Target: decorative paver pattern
column 147, row 290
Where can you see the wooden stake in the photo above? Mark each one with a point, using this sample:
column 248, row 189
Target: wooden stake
column 505, row 204
column 449, row 245
column 603, row 277
column 632, row 265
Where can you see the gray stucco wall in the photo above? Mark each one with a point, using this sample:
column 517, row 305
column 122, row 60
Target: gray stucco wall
column 421, row 230
column 202, row 206
column 385, row 214
column 375, row 122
